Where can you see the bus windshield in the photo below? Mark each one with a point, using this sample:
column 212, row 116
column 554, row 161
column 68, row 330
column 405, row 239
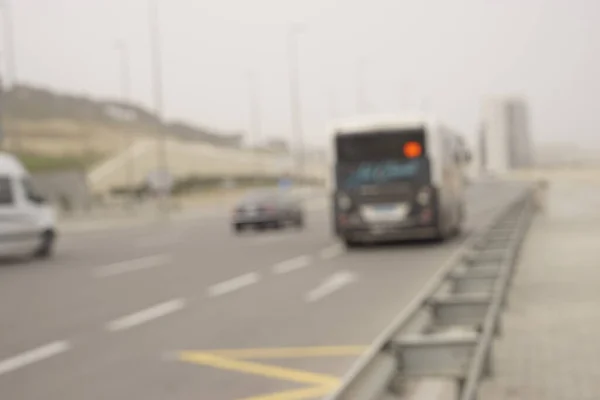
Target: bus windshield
column 376, row 146
column 378, row 158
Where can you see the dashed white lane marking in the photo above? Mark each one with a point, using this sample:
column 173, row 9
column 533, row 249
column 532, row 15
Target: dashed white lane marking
column 331, row 252
column 149, row 314
column 132, row 265
column 330, row 285
column 267, row 240
column 33, row 356
column 292, row 264
column 158, row 241
column 233, row 284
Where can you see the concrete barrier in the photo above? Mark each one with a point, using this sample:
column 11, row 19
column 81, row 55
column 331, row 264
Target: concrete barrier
column 186, row 159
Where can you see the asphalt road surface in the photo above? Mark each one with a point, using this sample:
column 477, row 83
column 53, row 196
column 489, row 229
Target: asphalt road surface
column 189, row 310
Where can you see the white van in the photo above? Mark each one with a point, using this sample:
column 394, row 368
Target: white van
column 27, row 221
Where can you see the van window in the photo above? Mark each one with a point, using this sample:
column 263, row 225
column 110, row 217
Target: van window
column 30, row 192
column 6, row 191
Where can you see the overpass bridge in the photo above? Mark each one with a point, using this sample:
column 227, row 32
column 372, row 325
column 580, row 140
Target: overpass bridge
column 186, row 159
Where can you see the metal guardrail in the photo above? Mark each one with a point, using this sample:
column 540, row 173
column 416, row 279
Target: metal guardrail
column 440, row 345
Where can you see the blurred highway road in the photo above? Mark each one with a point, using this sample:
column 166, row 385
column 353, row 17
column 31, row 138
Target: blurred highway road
column 137, row 313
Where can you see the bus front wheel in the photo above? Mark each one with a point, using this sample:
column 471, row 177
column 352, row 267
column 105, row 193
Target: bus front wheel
column 443, row 231
column 351, row 244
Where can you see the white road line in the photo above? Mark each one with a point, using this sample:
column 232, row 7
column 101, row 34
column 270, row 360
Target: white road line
column 158, row 241
column 330, row 285
column 33, row 356
column 132, row 265
column 233, row 284
column 331, row 252
column 267, row 240
column 140, row 317
column 292, row 264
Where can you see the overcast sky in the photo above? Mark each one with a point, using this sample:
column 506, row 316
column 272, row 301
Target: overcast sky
column 442, row 55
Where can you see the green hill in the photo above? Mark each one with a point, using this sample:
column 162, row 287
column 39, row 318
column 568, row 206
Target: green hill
column 50, row 130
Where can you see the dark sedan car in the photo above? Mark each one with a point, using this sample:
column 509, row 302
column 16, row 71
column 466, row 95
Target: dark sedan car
column 267, row 209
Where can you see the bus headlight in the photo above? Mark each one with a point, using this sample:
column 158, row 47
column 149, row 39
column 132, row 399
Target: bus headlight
column 344, row 202
column 424, row 196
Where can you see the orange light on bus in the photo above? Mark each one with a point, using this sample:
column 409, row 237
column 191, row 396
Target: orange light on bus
column 412, row 149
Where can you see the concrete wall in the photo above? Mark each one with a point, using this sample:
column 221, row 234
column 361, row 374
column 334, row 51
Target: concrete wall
column 192, row 159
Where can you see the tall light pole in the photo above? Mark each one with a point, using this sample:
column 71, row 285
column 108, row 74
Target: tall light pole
column 2, row 99
column 295, row 100
column 332, row 100
column 10, row 57
column 154, row 26
column 125, row 88
column 361, row 97
column 124, row 73
column 254, row 108
column 255, row 112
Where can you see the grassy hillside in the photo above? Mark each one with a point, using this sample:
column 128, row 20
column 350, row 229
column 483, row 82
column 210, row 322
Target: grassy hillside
column 51, row 129
column 31, row 104
column 39, row 162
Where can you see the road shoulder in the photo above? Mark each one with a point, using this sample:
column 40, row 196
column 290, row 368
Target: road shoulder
column 549, row 348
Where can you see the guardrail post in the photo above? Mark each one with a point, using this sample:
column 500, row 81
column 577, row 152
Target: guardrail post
column 540, row 195
column 488, row 364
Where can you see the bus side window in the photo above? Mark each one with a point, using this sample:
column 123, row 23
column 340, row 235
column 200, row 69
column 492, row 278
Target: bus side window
column 449, row 148
column 455, row 151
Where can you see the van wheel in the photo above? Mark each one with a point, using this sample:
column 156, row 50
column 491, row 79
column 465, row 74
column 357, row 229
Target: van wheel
column 46, row 248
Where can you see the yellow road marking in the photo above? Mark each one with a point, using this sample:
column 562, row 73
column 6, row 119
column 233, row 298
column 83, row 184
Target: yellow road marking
column 289, row 352
column 269, row 371
column 298, row 394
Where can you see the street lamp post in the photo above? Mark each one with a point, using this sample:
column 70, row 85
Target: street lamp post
column 254, row 108
column 332, row 98
column 295, row 99
column 255, row 112
column 157, row 94
column 124, row 75
column 1, row 109
column 10, row 57
column 361, row 98
column 125, row 87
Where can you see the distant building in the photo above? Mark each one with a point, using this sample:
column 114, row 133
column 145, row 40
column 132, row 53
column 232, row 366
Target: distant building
column 505, row 137
column 520, row 143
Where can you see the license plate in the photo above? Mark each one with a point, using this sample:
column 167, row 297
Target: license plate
column 385, row 213
column 385, row 207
